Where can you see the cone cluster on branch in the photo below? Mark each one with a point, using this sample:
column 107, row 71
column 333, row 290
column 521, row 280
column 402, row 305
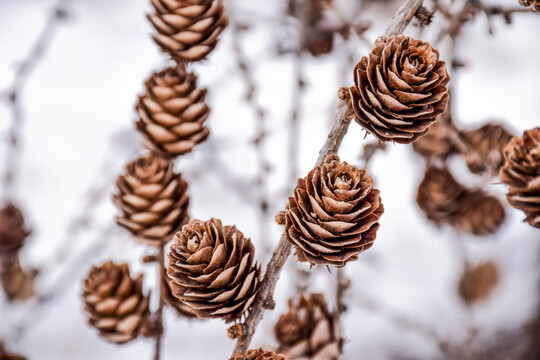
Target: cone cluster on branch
column 172, row 112
column 115, row 303
column 487, row 144
column 258, row 354
column 212, row 270
column 188, row 30
column 400, row 89
column 334, row 214
column 309, row 331
column 445, row 201
column 477, row 284
column 534, row 3
column 153, row 199
column 521, row 172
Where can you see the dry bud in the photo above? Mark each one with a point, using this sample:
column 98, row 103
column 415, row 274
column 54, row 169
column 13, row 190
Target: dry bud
column 400, row 89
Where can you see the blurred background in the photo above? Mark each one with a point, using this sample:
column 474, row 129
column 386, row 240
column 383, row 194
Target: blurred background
column 75, row 124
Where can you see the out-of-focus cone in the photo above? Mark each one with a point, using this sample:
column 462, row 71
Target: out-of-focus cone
column 172, row 112
column 480, row 214
column 486, row 146
column 5, row 355
column 188, row 29
column 115, row 303
column 477, row 284
column 438, row 140
column 309, row 331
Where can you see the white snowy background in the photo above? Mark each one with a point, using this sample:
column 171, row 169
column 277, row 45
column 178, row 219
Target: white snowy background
column 78, row 134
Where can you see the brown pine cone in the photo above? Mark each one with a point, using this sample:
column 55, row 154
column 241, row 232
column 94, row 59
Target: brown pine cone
column 477, row 284
column 4, row 355
column 172, row 112
column 437, row 142
column 114, row 302
column 258, row 354
column 480, row 214
column 440, row 196
column 13, row 231
column 535, row 4
column 334, row 214
column 489, row 142
column 521, row 172
column 153, row 199
column 400, row 89
column 188, row 29
column 212, row 270
column 309, row 331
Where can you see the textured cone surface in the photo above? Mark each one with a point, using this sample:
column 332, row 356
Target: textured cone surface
column 153, row 199
column 437, row 142
column 480, row 214
column 308, row 331
column 4, row 355
column 172, row 112
column 535, row 4
column 114, row 302
column 478, row 283
column 170, row 300
column 258, row 354
column 521, row 172
column 12, row 231
column 488, row 142
column 400, row 89
column 334, row 214
column 188, row 30
column 212, row 270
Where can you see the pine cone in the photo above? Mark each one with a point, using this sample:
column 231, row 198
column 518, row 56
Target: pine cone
column 477, row 284
column 489, row 142
column 172, row 112
column 211, row 270
column 18, row 285
column 480, row 214
column 400, row 89
column 13, row 231
column 334, row 214
column 440, row 196
column 188, row 29
column 437, row 142
column 4, row 355
column 114, row 302
column 258, row 354
column 308, row 331
column 521, row 172
column 535, row 4
column 153, row 199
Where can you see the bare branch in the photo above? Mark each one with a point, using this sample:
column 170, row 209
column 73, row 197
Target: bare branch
column 264, row 299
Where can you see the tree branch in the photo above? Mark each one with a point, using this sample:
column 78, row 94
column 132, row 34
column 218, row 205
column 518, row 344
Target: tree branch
column 264, row 299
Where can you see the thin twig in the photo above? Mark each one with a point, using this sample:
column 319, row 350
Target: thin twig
column 12, row 96
column 159, row 312
column 264, row 299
